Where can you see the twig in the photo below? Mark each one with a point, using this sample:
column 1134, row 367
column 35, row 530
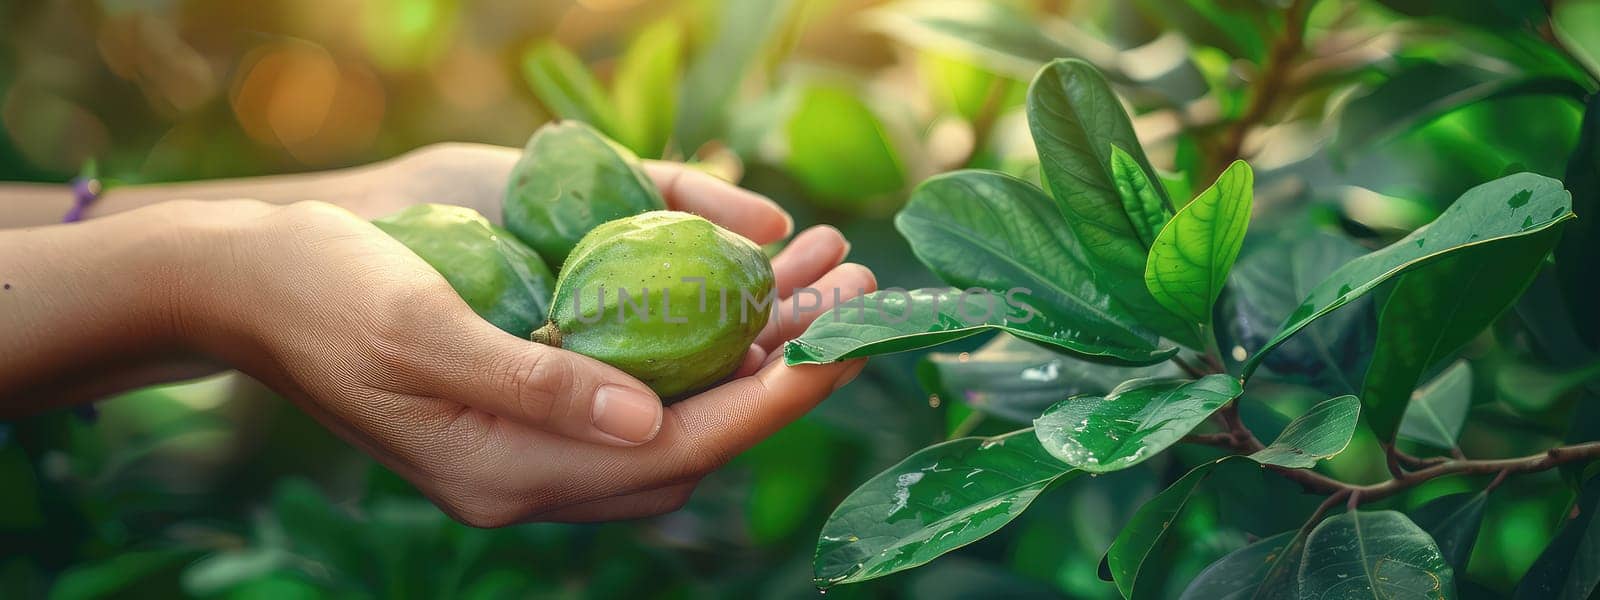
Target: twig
column 1187, row 368
column 1417, row 462
column 1242, row 441
column 966, row 425
column 988, row 113
column 1274, row 79
column 1391, row 459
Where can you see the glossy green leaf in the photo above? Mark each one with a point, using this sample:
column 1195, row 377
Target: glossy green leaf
column 1242, row 574
column 941, row 498
column 1134, row 422
column 839, row 149
column 1577, row 24
column 1579, row 249
column 503, row 280
column 1268, row 282
column 889, row 321
column 1438, row 409
column 1139, row 538
column 1016, row 380
column 1145, row 208
column 571, row 179
column 1076, row 121
column 1414, row 96
column 1189, row 263
column 565, row 87
column 990, row 33
column 1377, row 554
column 646, row 88
column 1569, row 568
column 1435, row 310
column 1453, row 521
column 992, row 231
column 1319, row 434
column 744, row 34
column 1138, row 564
column 1504, row 209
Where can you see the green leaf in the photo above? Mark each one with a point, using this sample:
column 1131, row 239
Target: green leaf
column 646, row 87
column 1416, row 95
column 1435, row 310
column 1245, row 572
column 839, row 149
column 1438, row 409
column 1504, row 209
column 1379, row 554
column 1320, row 433
column 1016, row 380
column 503, row 280
column 1189, row 263
column 1076, row 121
column 571, row 179
column 1139, row 539
column 941, row 498
column 992, row 231
column 1569, row 568
column 1139, row 198
column 1577, row 24
column 1330, row 354
column 989, row 33
column 1453, row 521
column 889, row 321
column 565, row 87
column 1579, row 249
column 744, row 32
column 1134, row 422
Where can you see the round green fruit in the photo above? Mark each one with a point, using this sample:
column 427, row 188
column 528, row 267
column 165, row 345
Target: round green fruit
column 571, row 179
column 503, row 280
column 668, row 297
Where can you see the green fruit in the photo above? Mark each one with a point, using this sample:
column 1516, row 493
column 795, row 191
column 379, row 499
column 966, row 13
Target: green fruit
column 503, row 280
column 571, row 179
column 668, row 297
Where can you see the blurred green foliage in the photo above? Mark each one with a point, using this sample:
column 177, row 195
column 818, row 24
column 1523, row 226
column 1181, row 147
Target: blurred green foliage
column 835, row 108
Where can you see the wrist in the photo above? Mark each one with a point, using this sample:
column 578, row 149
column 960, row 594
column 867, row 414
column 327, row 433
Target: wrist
column 83, row 301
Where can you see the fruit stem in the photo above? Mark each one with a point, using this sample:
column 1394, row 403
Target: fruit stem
column 548, row 335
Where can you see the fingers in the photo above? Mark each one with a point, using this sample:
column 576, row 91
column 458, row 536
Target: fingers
column 792, row 316
column 713, row 427
column 744, row 212
column 753, row 359
column 546, row 388
column 812, row 253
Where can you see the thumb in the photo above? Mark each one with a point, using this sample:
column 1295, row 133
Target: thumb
column 548, row 388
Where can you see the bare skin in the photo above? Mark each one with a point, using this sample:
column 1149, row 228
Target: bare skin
column 331, row 313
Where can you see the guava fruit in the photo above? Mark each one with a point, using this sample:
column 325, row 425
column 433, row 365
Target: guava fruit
column 668, row 297
column 571, row 179
column 503, row 280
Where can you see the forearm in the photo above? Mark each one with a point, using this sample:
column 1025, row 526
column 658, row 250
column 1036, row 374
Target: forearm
column 90, row 298
column 37, row 204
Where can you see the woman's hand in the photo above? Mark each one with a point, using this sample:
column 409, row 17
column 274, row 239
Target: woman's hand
column 495, row 429
column 363, row 335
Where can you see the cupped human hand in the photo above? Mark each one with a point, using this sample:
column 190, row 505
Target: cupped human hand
column 324, row 308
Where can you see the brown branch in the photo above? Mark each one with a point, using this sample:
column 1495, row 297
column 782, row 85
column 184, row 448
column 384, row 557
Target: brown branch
column 1272, row 84
column 1241, row 440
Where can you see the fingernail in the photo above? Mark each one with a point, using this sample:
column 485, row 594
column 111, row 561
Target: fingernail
column 630, row 416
